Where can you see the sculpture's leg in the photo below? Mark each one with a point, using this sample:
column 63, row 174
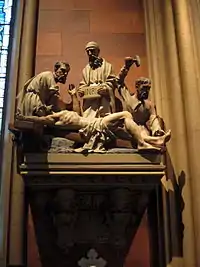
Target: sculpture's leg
column 158, row 140
column 135, row 131
column 132, row 128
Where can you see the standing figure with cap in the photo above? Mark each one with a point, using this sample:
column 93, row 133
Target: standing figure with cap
column 98, row 84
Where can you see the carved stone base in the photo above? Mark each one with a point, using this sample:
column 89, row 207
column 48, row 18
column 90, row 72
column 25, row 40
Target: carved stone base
column 71, row 221
column 88, row 205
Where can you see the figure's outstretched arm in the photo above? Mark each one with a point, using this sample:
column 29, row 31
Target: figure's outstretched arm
column 55, row 98
column 55, row 115
column 74, row 105
column 154, row 121
column 121, row 86
column 60, row 103
column 75, row 101
column 128, row 62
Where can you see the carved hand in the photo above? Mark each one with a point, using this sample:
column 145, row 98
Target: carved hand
column 128, row 62
column 81, row 92
column 72, row 89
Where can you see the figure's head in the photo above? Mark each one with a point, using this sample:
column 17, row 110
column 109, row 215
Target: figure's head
column 92, row 49
column 143, row 86
column 61, row 70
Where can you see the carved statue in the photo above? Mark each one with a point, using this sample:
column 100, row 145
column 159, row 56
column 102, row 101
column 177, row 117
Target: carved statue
column 40, row 101
column 98, row 84
column 40, row 95
column 139, row 105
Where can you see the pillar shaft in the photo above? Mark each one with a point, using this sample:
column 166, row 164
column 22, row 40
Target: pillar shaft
column 170, row 76
column 189, row 72
column 25, row 63
column 7, row 145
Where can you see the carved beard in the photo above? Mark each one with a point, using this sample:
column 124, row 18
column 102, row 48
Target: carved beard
column 143, row 95
column 95, row 62
column 61, row 79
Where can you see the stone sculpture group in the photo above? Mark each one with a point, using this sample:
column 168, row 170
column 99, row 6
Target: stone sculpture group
column 92, row 112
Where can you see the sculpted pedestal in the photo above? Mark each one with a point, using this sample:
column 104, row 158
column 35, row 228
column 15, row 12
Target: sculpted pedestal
column 87, row 208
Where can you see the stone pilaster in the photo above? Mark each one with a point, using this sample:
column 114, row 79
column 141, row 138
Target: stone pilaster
column 7, row 146
column 21, row 69
column 189, row 72
column 173, row 64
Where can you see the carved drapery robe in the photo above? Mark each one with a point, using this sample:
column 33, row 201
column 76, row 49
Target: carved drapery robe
column 36, row 95
column 99, row 107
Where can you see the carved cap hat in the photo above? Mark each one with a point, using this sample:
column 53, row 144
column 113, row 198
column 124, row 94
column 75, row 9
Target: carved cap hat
column 92, row 44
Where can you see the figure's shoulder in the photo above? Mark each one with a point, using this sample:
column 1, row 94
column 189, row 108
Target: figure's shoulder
column 87, row 66
column 107, row 66
column 45, row 74
column 106, row 62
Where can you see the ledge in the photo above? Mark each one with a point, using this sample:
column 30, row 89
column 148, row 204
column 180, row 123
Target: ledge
column 61, row 165
column 93, row 169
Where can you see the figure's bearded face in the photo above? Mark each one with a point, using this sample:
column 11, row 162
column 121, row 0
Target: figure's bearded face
column 143, row 92
column 94, row 60
column 93, row 54
column 61, row 74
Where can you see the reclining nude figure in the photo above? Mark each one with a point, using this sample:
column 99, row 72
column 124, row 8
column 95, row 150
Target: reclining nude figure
column 97, row 131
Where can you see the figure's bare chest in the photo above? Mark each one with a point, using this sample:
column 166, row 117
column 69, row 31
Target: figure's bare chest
column 141, row 114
